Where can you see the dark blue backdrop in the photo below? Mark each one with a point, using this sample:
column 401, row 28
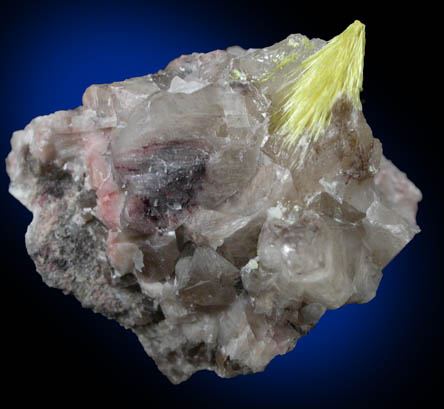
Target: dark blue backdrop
column 358, row 356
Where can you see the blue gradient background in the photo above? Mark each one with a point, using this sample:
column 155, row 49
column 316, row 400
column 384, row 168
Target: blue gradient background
column 377, row 354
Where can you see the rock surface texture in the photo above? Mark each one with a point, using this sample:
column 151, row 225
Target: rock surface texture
column 166, row 203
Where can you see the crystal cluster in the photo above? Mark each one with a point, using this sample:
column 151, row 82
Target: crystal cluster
column 165, row 202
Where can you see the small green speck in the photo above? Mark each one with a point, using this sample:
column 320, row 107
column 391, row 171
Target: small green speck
column 308, row 45
column 238, row 75
column 293, row 43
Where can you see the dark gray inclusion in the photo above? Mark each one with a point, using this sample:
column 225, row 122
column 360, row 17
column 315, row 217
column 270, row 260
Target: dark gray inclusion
column 163, row 180
column 178, row 171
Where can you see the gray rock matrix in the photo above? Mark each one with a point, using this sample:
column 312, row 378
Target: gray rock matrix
column 164, row 203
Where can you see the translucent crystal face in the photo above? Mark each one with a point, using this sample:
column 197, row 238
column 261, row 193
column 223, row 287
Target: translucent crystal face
column 167, row 203
column 161, row 182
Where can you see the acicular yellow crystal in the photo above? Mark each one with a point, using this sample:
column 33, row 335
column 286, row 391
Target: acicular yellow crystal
column 306, row 98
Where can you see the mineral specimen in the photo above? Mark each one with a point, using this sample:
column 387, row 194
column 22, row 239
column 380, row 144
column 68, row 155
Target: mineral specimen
column 219, row 207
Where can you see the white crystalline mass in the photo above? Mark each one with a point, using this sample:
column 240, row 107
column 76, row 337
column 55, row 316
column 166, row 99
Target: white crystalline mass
column 164, row 203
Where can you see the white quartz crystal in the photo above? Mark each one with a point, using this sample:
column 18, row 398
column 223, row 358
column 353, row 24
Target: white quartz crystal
column 165, row 203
